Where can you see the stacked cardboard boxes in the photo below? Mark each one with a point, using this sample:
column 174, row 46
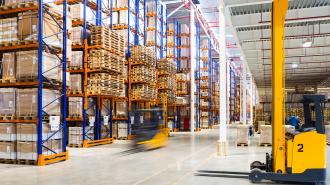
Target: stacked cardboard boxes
column 8, row 30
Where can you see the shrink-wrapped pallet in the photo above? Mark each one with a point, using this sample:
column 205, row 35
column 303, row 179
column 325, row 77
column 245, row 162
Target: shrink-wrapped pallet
column 77, row 11
column 77, row 60
column 8, row 30
column 27, row 102
column 7, row 101
column 75, row 107
column 105, row 131
column 124, row 3
column 8, row 70
column 185, row 52
column 242, row 134
column 170, row 27
column 75, row 82
column 29, row 132
column 27, row 66
column 28, row 28
column 265, row 134
column 204, row 122
column 8, row 150
column 121, row 109
column 28, row 150
column 76, row 135
column 170, row 52
column 77, row 36
column 7, row 132
column 122, row 130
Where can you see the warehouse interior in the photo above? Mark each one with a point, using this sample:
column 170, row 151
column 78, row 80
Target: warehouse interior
column 157, row 92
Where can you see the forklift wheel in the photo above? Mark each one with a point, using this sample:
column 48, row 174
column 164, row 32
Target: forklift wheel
column 256, row 176
column 256, row 165
column 319, row 183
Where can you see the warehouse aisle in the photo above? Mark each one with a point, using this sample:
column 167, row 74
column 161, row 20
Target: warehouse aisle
column 173, row 165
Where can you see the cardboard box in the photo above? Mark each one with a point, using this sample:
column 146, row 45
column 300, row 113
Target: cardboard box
column 28, row 26
column 27, row 66
column 28, row 102
column 7, row 101
column 8, row 66
column 265, row 134
column 75, row 106
column 242, row 134
column 75, row 82
column 122, row 129
column 77, row 59
column 28, row 150
column 7, row 132
column 28, row 132
column 7, row 150
column 121, row 109
column 8, row 29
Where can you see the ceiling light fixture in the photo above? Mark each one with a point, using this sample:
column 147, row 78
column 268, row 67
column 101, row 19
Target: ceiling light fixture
column 308, row 43
column 294, row 65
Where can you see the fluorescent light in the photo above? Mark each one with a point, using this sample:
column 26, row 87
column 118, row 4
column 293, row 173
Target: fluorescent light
column 230, row 35
column 294, row 65
column 308, row 43
column 242, row 58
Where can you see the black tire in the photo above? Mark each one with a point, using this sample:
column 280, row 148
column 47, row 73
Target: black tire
column 255, row 165
column 256, row 176
column 319, row 183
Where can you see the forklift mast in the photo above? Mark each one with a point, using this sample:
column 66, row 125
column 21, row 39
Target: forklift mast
column 280, row 8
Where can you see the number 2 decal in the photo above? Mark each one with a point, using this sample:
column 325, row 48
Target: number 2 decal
column 301, row 148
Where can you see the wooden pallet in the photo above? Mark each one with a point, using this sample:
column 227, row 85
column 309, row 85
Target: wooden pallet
column 8, row 80
column 122, row 138
column 242, row 144
column 8, row 117
column 74, row 92
column 75, row 145
column 26, row 162
column 8, row 161
column 265, row 144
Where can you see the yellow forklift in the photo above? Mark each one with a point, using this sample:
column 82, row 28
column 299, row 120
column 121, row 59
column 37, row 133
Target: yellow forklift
column 297, row 157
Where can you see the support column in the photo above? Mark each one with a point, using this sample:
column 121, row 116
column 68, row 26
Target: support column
column 222, row 145
column 243, row 87
column 251, row 99
column 192, row 69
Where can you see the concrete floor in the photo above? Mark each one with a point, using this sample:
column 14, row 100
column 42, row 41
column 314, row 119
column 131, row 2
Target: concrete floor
column 172, row 165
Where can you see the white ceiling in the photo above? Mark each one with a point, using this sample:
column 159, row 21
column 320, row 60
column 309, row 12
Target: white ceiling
column 305, row 19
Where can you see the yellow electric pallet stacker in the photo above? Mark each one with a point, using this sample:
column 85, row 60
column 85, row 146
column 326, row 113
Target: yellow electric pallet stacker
column 298, row 157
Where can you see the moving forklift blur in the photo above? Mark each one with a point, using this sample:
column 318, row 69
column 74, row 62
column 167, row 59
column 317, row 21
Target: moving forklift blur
column 298, row 157
column 149, row 128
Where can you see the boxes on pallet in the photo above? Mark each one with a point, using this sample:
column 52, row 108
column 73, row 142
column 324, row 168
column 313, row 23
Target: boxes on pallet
column 28, row 27
column 204, row 122
column 7, row 101
column 242, row 134
column 77, row 36
column 8, row 66
column 27, row 150
column 28, row 102
column 8, row 30
column 77, row 11
column 185, row 41
column 122, row 130
column 75, row 82
column 105, row 131
column 123, row 3
column 204, row 43
column 75, row 107
column 8, row 150
column 265, row 134
column 76, row 135
column 27, row 66
column 121, row 109
column 123, row 18
column 29, row 132
column 76, row 61
column 7, row 132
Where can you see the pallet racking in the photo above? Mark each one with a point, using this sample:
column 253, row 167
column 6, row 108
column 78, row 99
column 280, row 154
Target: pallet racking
column 58, row 123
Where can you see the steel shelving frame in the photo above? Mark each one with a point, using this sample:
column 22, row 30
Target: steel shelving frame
column 98, row 100
column 198, row 76
column 210, row 74
column 40, row 46
column 215, row 91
